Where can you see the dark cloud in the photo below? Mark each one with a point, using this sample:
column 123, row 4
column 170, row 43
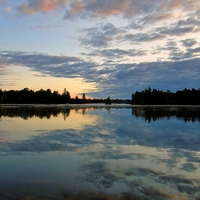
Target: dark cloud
column 171, row 46
column 194, row 51
column 178, row 31
column 189, row 42
column 180, row 28
column 134, row 25
column 154, row 74
column 107, row 34
column 143, row 37
column 188, row 54
column 176, row 53
column 117, row 53
column 100, row 36
column 57, row 66
column 117, row 80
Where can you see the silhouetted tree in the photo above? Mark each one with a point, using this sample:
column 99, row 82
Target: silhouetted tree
column 27, row 96
column 65, row 96
column 108, row 100
column 157, row 97
column 83, row 98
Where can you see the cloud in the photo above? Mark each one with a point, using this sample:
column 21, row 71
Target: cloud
column 100, row 174
column 128, row 8
column 101, row 35
column 55, row 66
column 179, row 30
column 116, row 53
column 154, row 74
column 141, row 13
column 8, row 9
column 182, row 27
column 189, row 42
column 97, row 8
column 108, row 35
column 37, row 6
column 58, row 66
column 175, row 51
column 119, row 80
column 145, row 11
column 134, row 25
column 144, row 37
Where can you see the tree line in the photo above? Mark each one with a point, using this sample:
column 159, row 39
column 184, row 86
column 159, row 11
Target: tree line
column 158, row 97
column 28, row 96
column 145, row 97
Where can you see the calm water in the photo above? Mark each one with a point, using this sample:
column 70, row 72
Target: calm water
column 151, row 152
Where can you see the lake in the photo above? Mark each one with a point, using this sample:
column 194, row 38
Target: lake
column 150, row 152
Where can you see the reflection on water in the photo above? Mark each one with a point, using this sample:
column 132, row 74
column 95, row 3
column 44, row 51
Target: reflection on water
column 149, row 113
column 150, row 152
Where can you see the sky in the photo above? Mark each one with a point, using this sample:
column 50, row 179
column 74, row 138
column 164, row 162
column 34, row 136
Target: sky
column 100, row 47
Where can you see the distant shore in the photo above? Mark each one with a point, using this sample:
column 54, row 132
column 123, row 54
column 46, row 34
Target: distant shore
column 88, row 105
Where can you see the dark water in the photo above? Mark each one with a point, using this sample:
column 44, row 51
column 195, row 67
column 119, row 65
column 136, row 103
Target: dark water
column 151, row 152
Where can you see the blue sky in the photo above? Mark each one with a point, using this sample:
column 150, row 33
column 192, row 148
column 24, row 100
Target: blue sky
column 101, row 48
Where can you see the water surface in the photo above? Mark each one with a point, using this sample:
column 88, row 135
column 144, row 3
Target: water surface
column 150, row 152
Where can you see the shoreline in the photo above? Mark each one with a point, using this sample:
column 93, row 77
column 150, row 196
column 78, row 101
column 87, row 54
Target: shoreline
column 87, row 105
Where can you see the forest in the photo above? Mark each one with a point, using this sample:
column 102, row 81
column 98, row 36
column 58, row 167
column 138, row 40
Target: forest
column 145, row 97
column 157, row 97
column 27, row 96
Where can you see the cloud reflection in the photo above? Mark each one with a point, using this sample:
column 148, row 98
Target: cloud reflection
column 123, row 151
column 100, row 174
